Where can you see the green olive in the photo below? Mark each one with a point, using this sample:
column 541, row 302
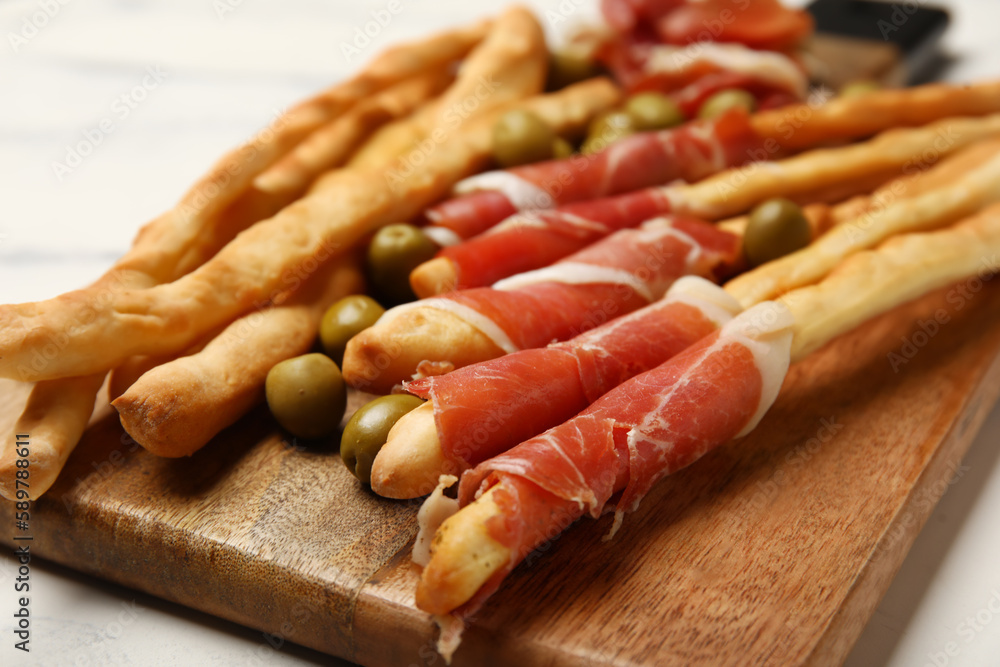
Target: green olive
column 561, row 149
column 776, row 228
column 521, row 137
column 368, row 429
column 344, row 320
column 307, row 395
column 606, row 129
column 859, row 88
column 726, row 99
column 653, row 111
column 569, row 66
column 392, row 254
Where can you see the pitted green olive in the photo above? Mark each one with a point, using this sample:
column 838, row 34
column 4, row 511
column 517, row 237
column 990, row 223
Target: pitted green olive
column 346, row 319
column 393, row 253
column 569, row 66
column 727, row 99
column 307, row 395
column 653, row 111
column 368, row 429
column 521, row 137
column 776, row 228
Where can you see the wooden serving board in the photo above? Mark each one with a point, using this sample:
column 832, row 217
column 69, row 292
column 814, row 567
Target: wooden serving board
column 771, row 550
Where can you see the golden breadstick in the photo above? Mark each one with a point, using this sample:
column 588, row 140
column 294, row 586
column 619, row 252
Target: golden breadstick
column 463, row 554
column 331, row 145
column 979, row 187
column 518, row 42
column 176, row 408
column 803, row 126
column 259, row 263
column 906, row 150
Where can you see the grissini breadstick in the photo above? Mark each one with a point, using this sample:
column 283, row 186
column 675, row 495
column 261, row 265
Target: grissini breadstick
column 474, row 425
column 175, row 408
column 803, row 126
column 509, row 65
column 866, row 284
column 262, row 262
column 617, row 275
column 331, row 145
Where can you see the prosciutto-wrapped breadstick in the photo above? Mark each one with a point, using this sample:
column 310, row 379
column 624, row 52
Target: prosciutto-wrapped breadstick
column 689, row 152
column 667, row 418
column 482, row 410
column 654, row 158
column 616, row 276
column 529, row 240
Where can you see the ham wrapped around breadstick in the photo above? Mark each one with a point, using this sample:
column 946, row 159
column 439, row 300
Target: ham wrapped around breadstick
column 625, row 271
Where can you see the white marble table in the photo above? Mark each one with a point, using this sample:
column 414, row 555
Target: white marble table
column 153, row 92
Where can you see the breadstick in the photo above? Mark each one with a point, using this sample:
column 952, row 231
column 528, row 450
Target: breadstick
column 517, row 42
column 331, row 145
column 176, row 408
column 256, row 265
column 803, row 126
column 905, row 150
column 978, row 188
column 865, row 285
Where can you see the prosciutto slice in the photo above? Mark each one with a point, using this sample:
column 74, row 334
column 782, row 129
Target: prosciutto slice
column 485, row 409
column 648, row 427
column 690, row 152
column 759, row 24
column 531, row 240
column 624, row 272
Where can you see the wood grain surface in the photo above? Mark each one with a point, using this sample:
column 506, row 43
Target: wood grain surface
column 771, row 550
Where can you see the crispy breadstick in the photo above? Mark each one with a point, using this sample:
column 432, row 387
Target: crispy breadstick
column 978, row 188
column 176, row 408
column 905, row 150
column 803, row 126
column 331, row 145
column 464, row 556
column 256, row 265
column 517, row 42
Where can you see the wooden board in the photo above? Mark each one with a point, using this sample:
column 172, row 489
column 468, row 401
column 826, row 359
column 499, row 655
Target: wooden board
column 771, row 550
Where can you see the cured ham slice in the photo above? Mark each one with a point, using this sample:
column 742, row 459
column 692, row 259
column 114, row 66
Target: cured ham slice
column 626, row 271
column 654, row 424
column 487, row 408
column 531, row 240
column 690, row 152
column 759, row 24
column 692, row 74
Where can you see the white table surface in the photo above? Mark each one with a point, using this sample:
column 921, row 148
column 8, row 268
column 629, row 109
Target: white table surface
column 224, row 68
